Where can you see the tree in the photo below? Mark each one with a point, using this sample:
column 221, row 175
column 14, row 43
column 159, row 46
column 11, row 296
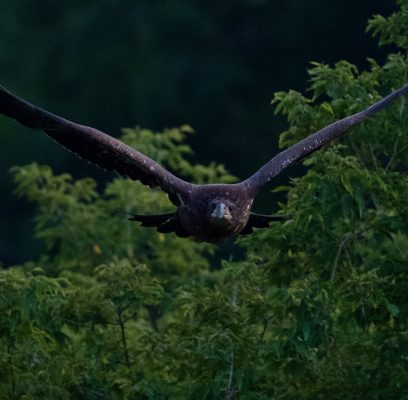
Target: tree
column 316, row 308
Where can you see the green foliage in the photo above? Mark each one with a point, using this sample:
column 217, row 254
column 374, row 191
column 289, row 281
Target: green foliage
column 316, row 309
column 391, row 30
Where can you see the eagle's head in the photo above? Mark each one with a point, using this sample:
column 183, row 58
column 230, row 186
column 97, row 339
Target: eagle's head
column 221, row 212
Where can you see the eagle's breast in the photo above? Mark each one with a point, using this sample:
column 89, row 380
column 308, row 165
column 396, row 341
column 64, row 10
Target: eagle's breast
column 195, row 214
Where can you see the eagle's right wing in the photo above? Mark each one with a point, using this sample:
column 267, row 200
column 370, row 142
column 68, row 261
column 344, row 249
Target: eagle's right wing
column 314, row 142
column 94, row 146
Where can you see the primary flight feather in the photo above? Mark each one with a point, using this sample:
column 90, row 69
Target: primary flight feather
column 209, row 213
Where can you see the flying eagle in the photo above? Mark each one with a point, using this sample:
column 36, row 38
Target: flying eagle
column 210, row 213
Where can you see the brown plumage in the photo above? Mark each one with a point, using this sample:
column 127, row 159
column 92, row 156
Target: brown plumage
column 209, row 213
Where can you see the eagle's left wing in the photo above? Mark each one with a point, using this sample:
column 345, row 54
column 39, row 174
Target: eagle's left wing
column 94, row 146
column 313, row 142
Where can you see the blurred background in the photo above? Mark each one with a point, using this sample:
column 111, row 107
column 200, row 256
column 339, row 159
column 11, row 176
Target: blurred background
column 121, row 63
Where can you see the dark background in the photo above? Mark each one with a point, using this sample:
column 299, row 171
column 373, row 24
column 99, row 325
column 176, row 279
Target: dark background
column 117, row 63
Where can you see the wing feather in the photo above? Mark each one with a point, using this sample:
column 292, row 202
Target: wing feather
column 94, row 146
column 314, row 142
column 261, row 221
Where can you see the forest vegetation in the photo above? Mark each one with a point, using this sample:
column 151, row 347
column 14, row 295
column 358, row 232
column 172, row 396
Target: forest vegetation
column 315, row 308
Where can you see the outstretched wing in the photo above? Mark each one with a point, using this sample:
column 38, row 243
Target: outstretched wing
column 164, row 223
column 94, row 146
column 261, row 221
column 313, row 142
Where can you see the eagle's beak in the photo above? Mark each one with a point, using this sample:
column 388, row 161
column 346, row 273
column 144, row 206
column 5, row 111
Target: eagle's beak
column 220, row 212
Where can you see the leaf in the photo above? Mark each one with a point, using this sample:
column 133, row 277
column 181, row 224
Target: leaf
column 393, row 309
column 306, row 330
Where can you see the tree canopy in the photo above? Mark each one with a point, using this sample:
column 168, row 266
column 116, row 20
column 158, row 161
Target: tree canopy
column 158, row 64
column 316, row 308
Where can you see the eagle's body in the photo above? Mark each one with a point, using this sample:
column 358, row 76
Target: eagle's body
column 210, row 213
column 197, row 216
column 195, row 213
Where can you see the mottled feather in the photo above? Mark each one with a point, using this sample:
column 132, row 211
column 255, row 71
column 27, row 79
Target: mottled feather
column 315, row 141
column 93, row 145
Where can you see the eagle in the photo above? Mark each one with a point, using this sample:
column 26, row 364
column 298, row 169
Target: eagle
column 211, row 212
